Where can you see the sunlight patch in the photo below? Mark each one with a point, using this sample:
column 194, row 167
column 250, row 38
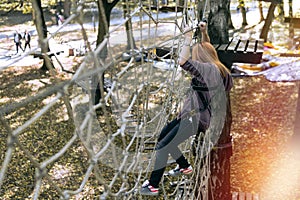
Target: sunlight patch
column 284, row 179
column 36, row 84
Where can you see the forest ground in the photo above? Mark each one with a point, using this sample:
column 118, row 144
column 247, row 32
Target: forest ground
column 263, row 121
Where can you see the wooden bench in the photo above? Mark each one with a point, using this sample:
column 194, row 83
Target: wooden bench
column 167, row 8
column 294, row 21
column 245, row 51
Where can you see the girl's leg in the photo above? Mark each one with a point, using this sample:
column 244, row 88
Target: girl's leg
column 170, row 137
column 186, row 130
column 161, row 156
column 159, row 167
column 167, row 129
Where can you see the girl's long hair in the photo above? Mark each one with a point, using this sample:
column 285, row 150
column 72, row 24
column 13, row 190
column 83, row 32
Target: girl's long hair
column 205, row 52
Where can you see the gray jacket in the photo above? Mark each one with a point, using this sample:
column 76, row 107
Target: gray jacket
column 206, row 82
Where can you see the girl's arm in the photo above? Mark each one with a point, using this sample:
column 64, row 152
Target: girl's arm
column 184, row 54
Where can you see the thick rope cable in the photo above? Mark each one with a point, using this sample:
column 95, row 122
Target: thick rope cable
column 127, row 166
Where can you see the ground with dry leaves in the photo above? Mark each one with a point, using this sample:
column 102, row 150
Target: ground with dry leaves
column 263, row 121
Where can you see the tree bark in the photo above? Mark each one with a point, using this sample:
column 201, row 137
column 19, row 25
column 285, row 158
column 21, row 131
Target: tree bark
column 261, row 13
column 67, row 8
column 280, row 10
column 39, row 21
column 230, row 24
column 218, row 21
column 243, row 11
column 128, row 25
column 291, row 26
column 291, row 8
column 105, row 9
column 268, row 22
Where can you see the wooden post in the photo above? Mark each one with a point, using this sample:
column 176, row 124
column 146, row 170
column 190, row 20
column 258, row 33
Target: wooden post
column 219, row 182
column 296, row 136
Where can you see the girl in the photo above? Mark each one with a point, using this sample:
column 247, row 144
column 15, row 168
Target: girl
column 208, row 73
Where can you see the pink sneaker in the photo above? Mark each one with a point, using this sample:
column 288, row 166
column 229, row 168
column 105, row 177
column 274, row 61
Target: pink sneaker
column 148, row 189
column 178, row 171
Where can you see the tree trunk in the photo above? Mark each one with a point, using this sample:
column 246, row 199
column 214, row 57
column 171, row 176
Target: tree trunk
column 280, row 10
column 218, row 21
column 268, row 22
column 200, row 8
column 261, row 12
column 291, row 8
column 67, row 8
column 200, row 17
column 181, row 3
column 230, row 24
column 291, row 26
column 243, row 11
column 103, row 25
column 105, row 9
column 39, row 21
column 128, row 25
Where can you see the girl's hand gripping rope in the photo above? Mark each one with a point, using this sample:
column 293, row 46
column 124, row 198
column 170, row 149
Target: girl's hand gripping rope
column 185, row 49
column 203, row 26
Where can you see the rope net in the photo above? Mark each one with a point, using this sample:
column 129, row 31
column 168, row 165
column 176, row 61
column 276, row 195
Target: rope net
column 62, row 145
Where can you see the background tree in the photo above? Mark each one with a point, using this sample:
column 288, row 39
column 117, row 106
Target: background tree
column 128, row 25
column 280, row 9
column 39, row 21
column 291, row 27
column 181, row 3
column 105, row 9
column 269, row 20
column 243, row 9
column 67, row 8
column 261, row 12
column 230, row 24
column 218, row 21
column 290, row 8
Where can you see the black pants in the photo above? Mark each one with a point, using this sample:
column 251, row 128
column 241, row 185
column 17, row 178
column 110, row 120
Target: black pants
column 27, row 44
column 170, row 137
column 18, row 44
